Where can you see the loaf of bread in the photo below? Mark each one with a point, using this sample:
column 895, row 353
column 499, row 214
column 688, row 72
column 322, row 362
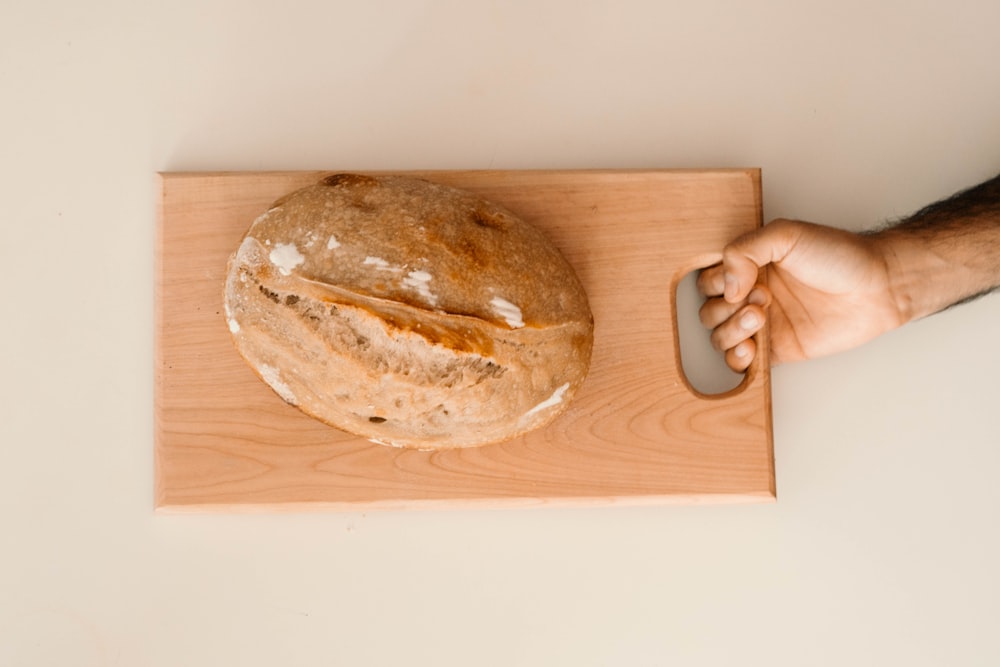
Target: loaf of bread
column 409, row 313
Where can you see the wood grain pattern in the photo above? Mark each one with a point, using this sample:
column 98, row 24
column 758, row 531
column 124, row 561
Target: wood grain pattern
column 636, row 432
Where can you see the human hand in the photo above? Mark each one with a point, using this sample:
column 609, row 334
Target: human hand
column 827, row 290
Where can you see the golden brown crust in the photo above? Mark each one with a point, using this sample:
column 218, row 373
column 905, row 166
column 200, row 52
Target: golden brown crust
column 409, row 312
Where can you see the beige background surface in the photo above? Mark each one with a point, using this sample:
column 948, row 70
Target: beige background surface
column 883, row 545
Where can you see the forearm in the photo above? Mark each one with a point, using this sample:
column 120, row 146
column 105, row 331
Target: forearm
column 946, row 253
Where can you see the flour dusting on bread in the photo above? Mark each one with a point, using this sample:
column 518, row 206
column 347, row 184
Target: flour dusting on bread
column 419, row 281
column 286, row 257
column 510, row 313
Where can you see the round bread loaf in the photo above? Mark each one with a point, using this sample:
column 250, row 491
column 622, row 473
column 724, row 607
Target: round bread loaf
column 407, row 312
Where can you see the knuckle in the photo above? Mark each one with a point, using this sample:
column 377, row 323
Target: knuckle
column 707, row 282
column 716, row 340
column 705, row 316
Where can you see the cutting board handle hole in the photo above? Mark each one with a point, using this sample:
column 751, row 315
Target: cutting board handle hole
column 703, row 366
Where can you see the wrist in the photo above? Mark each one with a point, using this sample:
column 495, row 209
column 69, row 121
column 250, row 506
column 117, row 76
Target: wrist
column 920, row 281
column 893, row 253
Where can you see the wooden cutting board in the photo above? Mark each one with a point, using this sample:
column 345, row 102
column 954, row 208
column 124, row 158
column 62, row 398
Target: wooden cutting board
column 636, row 432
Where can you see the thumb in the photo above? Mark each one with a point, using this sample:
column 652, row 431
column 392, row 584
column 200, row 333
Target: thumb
column 743, row 258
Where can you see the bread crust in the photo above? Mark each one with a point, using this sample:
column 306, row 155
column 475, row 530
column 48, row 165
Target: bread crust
column 408, row 312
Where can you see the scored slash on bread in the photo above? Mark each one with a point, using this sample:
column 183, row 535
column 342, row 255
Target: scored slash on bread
column 408, row 312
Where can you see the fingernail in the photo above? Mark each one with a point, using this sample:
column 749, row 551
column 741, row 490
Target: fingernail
column 749, row 320
column 741, row 350
column 732, row 286
column 757, row 297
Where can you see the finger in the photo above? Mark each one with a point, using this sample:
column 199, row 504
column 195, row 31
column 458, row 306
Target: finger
column 710, row 281
column 742, row 355
column 760, row 295
column 716, row 311
column 747, row 321
column 739, row 275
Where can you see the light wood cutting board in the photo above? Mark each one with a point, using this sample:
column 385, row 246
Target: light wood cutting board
column 636, row 432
